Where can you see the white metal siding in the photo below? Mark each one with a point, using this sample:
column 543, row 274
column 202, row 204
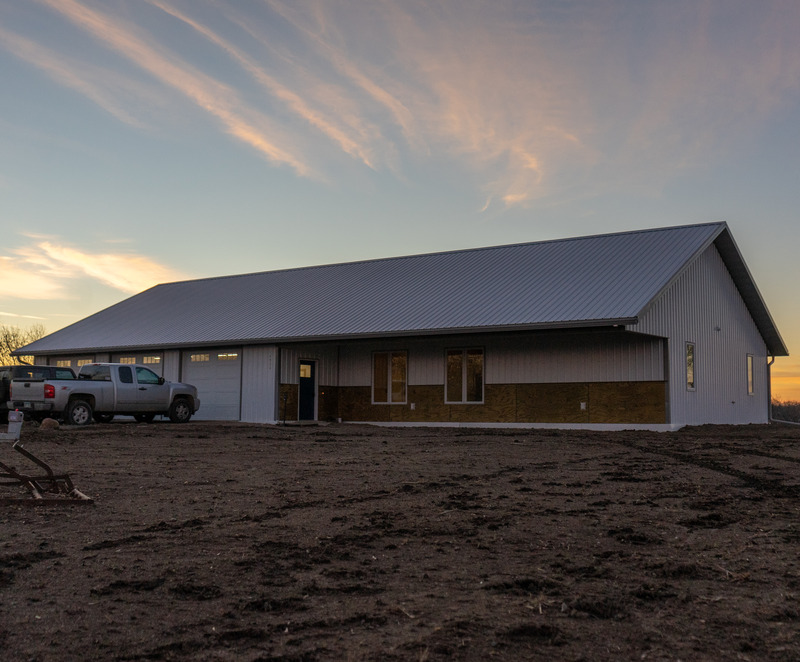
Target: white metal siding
column 172, row 365
column 535, row 358
column 260, row 384
column 704, row 307
column 326, row 357
column 574, row 358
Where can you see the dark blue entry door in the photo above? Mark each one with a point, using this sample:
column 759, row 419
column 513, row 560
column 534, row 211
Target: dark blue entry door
column 308, row 390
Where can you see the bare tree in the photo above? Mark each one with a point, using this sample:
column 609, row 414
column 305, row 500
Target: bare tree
column 13, row 337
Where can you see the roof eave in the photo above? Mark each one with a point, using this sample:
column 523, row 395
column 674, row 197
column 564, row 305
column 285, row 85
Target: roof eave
column 397, row 333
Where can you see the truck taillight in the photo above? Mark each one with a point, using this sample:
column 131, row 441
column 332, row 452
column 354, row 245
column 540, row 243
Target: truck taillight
column 49, row 391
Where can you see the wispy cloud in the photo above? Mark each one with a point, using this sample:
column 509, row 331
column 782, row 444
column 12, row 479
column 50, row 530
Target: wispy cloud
column 48, row 269
column 524, row 100
column 294, row 101
column 4, row 313
column 101, row 85
column 212, row 96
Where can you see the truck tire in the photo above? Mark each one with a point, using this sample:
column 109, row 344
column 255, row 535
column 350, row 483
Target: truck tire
column 79, row 412
column 180, row 411
column 103, row 418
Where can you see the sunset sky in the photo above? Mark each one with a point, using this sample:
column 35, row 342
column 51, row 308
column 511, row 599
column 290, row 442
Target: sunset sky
column 145, row 141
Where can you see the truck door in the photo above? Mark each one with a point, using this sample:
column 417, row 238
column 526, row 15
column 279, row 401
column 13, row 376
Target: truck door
column 127, row 389
column 153, row 392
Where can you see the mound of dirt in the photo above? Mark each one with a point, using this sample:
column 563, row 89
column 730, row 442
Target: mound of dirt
column 219, row 541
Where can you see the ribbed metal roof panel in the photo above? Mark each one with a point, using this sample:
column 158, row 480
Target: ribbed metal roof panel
column 586, row 280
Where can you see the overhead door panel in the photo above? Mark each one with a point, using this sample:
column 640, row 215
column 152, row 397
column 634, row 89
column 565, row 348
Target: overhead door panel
column 153, row 360
column 217, row 376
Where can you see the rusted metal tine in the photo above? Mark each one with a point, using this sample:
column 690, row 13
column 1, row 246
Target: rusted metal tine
column 39, row 486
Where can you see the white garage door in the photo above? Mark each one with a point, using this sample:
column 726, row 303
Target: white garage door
column 153, row 360
column 217, row 376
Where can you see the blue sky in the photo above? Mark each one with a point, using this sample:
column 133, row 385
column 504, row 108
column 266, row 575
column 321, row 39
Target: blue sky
column 149, row 141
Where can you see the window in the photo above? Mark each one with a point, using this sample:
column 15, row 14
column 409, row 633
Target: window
column 227, row 356
column 128, row 360
column 125, row 375
column 690, row 366
column 750, row 375
column 464, row 376
column 305, row 371
column 151, row 359
column 64, row 363
column 199, row 358
column 389, row 377
column 97, row 373
column 146, row 376
column 81, row 362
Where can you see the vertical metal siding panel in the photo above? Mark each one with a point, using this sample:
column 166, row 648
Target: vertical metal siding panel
column 259, row 384
column 426, row 362
column 172, row 365
column 324, row 355
column 551, row 359
column 704, row 307
column 355, row 365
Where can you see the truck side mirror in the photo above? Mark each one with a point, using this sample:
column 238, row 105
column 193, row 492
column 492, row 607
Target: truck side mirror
column 161, row 380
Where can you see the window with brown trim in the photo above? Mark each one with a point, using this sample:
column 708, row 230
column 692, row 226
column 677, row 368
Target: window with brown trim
column 389, row 377
column 464, row 383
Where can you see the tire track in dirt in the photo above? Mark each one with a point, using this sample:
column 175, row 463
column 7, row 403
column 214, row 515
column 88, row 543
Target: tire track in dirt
column 772, row 486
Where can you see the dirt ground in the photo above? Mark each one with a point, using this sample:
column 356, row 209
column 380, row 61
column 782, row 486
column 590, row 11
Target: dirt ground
column 214, row 541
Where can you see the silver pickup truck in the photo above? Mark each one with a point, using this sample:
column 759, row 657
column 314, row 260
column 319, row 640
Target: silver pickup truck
column 103, row 390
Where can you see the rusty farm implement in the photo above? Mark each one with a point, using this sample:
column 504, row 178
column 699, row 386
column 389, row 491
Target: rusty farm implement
column 46, row 486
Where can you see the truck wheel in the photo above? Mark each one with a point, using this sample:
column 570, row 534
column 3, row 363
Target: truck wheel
column 144, row 418
column 79, row 412
column 180, row 411
column 103, row 418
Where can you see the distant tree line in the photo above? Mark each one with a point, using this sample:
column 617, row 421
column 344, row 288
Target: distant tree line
column 788, row 410
column 13, row 337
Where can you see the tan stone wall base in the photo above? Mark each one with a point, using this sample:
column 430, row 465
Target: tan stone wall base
column 596, row 402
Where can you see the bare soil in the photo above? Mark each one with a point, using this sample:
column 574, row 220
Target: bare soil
column 214, row 541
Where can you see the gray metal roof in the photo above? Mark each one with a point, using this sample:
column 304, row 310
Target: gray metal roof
column 586, row 281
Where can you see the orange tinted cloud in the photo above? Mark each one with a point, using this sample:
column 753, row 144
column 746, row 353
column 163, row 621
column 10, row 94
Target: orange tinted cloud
column 523, row 100
column 47, row 270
